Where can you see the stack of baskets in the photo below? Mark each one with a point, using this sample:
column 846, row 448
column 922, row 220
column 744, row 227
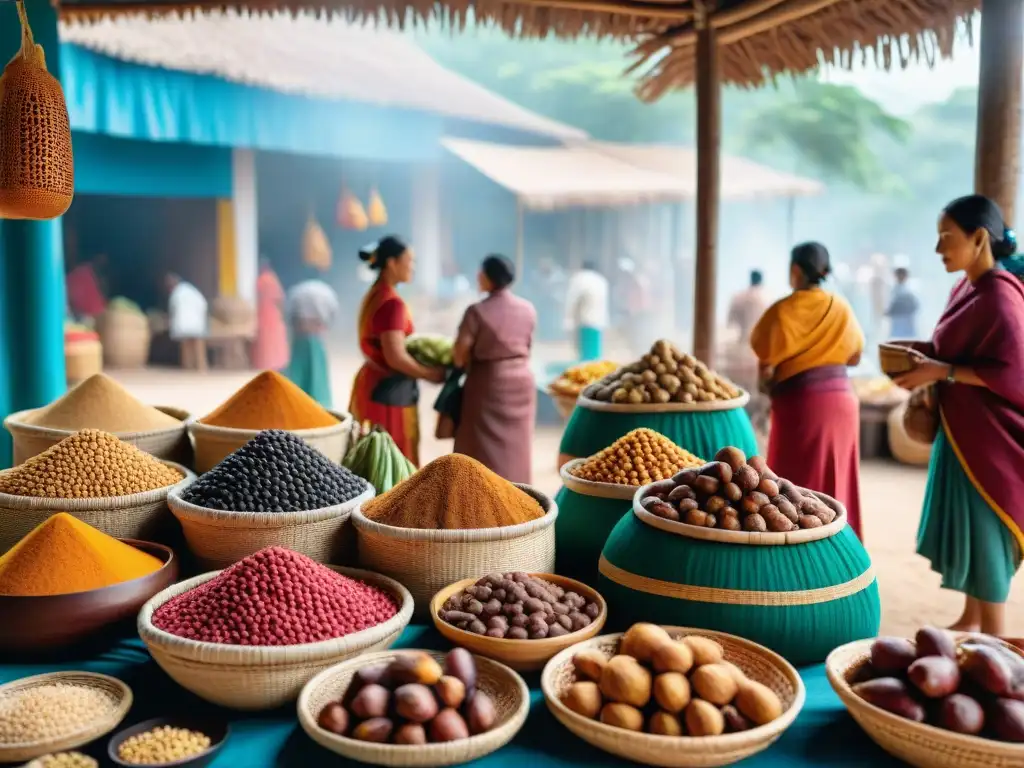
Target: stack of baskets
column 125, row 335
column 800, row 594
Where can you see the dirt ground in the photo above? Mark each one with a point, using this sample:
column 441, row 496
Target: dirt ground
column 892, row 496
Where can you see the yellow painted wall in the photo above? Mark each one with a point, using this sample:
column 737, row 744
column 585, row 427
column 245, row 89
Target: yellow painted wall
column 226, row 250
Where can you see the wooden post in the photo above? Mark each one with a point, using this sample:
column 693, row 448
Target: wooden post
column 709, row 118
column 997, row 153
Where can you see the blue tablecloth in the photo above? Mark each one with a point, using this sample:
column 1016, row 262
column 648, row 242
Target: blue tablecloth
column 823, row 735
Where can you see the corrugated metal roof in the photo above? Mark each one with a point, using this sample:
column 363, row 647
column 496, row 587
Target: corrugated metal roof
column 592, row 173
column 322, row 58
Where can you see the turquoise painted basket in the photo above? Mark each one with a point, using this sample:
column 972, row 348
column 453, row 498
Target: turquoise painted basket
column 800, row 594
column 701, row 428
column 588, row 512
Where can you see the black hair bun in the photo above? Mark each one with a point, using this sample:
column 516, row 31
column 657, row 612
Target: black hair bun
column 1007, row 246
column 367, row 252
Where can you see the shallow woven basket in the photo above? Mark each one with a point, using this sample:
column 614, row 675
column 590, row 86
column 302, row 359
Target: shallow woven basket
column 769, row 538
column 262, row 677
column 426, row 561
column 82, row 359
column 895, row 358
column 924, row 746
column 212, row 444
column 29, row 750
column 759, row 664
column 169, row 443
column 218, row 539
column 125, row 336
column 507, row 689
column 583, row 401
column 142, row 516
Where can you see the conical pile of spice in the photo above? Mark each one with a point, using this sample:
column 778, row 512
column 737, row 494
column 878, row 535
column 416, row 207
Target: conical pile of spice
column 99, row 402
column 270, row 401
column 64, row 555
column 454, row 492
column 643, row 456
column 88, row 465
column 275, row 597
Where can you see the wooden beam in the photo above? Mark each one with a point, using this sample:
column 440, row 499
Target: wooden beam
column 709, row 119
column 997, row 152
column 649, row 10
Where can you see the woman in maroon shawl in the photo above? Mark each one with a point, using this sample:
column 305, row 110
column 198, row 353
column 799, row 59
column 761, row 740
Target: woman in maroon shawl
column 971, row 527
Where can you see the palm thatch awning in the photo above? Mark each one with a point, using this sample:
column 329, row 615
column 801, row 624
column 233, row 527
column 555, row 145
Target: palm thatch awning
column 605, row 174
column 757, row 39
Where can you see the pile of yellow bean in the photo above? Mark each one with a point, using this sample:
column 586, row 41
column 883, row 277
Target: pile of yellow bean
column 162, row 745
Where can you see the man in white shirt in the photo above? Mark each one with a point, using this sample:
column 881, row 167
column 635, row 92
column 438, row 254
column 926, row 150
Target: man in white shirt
column 187, row 312
column 312, row 307
column 586, row 310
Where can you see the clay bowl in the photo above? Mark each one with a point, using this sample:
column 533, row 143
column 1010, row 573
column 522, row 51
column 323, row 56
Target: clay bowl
column 34, row 624
column 216, row 728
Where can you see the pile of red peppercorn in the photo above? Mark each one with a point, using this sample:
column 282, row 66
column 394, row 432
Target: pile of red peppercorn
column 275, row 597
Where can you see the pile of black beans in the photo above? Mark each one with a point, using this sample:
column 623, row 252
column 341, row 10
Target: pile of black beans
column 275, row 472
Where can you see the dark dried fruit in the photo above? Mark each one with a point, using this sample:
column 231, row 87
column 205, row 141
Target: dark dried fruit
column 935, row 642
column 333, row 718
column 1006, row 718
column 962, row 714
column 892, row 655
column 719, row 470
column 732, row 456
column 935, row 676
column 988, row 668
column 754, row 524
column 892, row 695
column 735, row 722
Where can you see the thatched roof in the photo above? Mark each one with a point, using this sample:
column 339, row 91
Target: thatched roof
column 757, row 38
column 313, row 57
column 603, row 174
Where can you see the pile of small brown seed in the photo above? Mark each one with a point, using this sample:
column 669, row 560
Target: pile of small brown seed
column 88, row 465
column 51, row 711
column 162, row 745
column 64, row 760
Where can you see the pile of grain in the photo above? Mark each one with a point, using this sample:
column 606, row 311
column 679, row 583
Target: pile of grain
column 99, row 402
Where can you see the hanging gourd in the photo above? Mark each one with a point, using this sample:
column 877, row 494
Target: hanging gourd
column 378, row 214
column 316, row 249
column 350, row 213
column 37, row 173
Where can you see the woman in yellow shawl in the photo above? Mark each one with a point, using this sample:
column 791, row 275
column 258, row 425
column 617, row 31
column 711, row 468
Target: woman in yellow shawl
column 804, row 344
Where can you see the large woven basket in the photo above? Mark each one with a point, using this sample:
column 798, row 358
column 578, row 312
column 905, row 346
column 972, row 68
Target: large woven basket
column 212, row 444
column 255, row 677
column 426, row 561
column 919, row 744
column 142, row 516
column 587, row 513
column 507, row 689
column 169, row 444
column 126, row 337
column 757, row 662
column 97, row 727
column 800, row 594
column 218, row 539
column 904, row 448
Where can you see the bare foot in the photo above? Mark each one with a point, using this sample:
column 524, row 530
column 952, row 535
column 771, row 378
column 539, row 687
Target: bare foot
column 965, row 625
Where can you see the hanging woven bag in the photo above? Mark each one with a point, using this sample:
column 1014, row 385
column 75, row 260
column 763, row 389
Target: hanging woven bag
column 37, row 174
column 378, row 214
column 316, row 250
column 350, row 213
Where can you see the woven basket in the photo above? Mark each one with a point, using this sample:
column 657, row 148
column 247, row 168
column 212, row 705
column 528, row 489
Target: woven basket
column 82, row 359
column 126, row 337
column 895, row 358
column 756, row 661
column 904, row 448
column 169, row 444
column 507, row 689
column 262, row 677
column 142, row 516
column 37, row 171
column 218, row 539
column 800, row 594
column 212, row 444
column 565, row 404
column 426, row 561
column 587, row 513
column 121, row 693
column 714, row 405
column 925, row 746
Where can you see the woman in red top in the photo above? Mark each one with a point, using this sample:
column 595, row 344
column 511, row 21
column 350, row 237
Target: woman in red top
column 384, row 391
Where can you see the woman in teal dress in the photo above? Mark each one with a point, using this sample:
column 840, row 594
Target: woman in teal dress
column 313, row 308
column 972, row 527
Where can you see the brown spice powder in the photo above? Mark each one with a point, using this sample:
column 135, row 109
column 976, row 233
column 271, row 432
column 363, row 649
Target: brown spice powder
column 99, row 402
column 454, row 492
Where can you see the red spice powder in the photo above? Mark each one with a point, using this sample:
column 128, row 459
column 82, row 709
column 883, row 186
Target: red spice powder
column 275, row 597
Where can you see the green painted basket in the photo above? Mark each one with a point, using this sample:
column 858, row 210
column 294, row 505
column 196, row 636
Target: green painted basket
column 800, row 594
column 588, row 512
column 701, row 428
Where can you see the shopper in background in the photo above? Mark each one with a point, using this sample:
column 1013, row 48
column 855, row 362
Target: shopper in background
column 85, row 294
column 499, row 400
column 747, row 306
column 903, row 307
column 385, row 392
column 189, row 324
column 312, row 308
column 972, row 526
column 270, row 350
column 804, row 344
column 586, row 311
